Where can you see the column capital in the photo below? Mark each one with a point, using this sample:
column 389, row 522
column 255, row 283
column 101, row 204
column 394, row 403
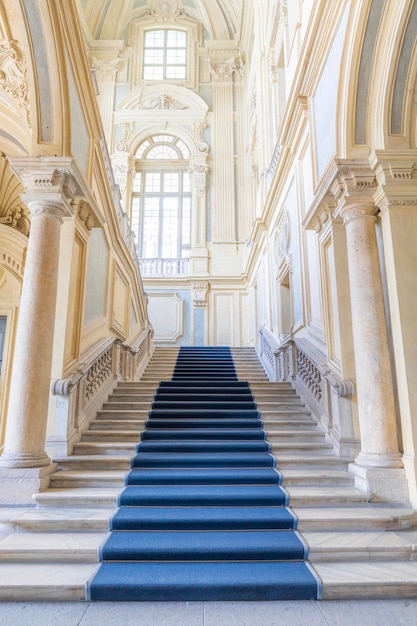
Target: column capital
column 226, row 64
column 357, row 210
column 50, row 184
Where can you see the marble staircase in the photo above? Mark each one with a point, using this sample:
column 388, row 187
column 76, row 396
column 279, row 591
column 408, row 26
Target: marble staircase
column 358, row 547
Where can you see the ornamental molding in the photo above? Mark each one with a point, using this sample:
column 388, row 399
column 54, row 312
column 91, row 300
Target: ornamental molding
column 164, row 11
column 282, row 239
column 200, row 291
column 350, row 213
column 13, row 75
column 198, row 132
column 163, row 102
column 85, row 214
column 127, row 129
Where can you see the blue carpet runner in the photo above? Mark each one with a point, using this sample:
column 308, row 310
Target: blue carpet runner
column 203, row 516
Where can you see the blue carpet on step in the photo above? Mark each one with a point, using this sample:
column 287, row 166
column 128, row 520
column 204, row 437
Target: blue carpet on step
column 203, row 515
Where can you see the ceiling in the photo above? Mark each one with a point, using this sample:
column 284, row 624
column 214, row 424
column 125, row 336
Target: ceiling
column 109, row 19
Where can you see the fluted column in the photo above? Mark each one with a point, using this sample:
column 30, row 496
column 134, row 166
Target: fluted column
column 48, row 190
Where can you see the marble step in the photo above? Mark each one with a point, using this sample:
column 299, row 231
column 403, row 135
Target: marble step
column 283, row 424
column 114, row 459
column 131, row 397
column 78, row 497
column 323, row 496
column 125, row 436
column 117, row 424
column 289, row 460
column 386, row 579
column 52, row 547
column 316, row 477
column 86, row 448
column 64, row 519
column 296, row 447
column 361, row 546
column 26, row 582
column 349, row 518
column 276, row 433
column 133, row 415
column 91, row 478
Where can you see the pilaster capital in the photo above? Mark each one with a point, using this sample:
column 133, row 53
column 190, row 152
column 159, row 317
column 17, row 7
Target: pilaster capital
column 198, row 169
column 224, row 65
column 106, row 71
column 50, row 184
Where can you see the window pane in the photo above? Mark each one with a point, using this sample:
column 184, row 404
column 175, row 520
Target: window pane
column 154, row 57
column 186, row 221
column 185, row 151
column 150, row 235
column 175, row 72
column 176, row 39
column 154, row 39
column 186, row 185
column 137, row 181
column 153, row 73
column 135, row 214
column 170, row 228
column 162, row 152
column 153, row 182
column 171, row 182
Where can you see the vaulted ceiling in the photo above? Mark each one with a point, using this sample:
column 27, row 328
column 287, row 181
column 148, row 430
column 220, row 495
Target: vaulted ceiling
column 108, row 19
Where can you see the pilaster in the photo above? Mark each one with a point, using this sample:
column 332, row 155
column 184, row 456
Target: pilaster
column 224, row 66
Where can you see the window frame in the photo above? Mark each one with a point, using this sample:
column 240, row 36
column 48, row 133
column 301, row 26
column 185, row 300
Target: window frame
column 137, row 32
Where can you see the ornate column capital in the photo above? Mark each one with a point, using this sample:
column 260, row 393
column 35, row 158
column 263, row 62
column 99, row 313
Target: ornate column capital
column 50, row 184
column 225, row 65
column 106, row 71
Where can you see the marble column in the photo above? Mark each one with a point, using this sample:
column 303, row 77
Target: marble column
column 376, row 465
column 24, row 464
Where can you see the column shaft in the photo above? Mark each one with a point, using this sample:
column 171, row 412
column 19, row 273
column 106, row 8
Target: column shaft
column 27, row 414
column 379, row 445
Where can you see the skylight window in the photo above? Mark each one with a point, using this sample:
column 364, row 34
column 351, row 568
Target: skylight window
column 165, row 55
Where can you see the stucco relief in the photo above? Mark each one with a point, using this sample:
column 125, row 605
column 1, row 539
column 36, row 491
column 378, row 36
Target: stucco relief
column 12, row 210
column 13, row 74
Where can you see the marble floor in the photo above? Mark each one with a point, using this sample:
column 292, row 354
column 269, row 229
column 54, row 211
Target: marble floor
column 334, row 613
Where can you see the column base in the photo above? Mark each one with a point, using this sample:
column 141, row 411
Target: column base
column 24, row 460
column 366, row 459
column 17, row 485
column 386, row 484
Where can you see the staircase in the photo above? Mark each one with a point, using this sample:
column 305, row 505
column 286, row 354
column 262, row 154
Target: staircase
column 356, row 547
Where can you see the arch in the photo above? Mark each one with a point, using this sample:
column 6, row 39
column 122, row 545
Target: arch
column 168, row 129
column 379, row 76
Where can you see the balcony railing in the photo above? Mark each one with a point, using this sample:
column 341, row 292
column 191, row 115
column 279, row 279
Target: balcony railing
column 163, row 267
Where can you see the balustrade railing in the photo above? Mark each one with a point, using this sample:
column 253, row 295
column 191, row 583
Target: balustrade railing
column 163, row 267
column 83, row 392
column 327, row 395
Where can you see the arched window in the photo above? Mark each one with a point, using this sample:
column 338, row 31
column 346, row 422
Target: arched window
column 161, row 200
column 165, row 55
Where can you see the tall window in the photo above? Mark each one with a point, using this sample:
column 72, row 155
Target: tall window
column 165, row 55
column 161, row 199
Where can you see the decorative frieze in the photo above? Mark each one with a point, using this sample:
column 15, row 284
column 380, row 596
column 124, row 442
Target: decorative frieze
column 163, row 102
